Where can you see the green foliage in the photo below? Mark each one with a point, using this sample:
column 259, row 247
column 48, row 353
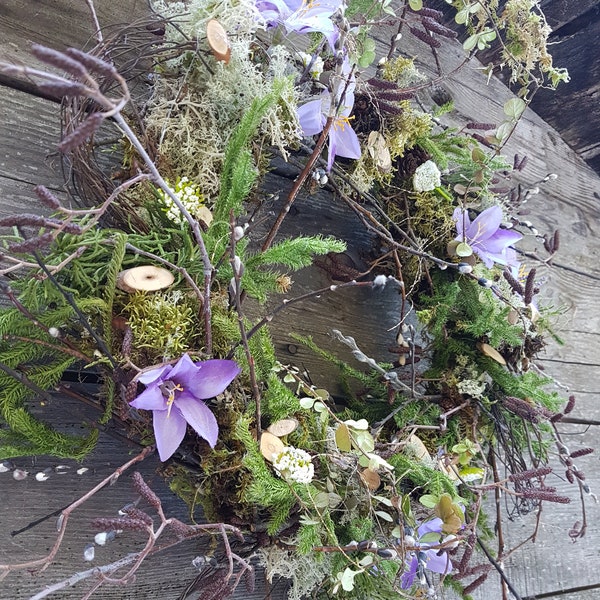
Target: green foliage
column 278, row 401
column 427, row 479
column 461, row 313
column 264, row 489
column 294, row 253
column 166, row 323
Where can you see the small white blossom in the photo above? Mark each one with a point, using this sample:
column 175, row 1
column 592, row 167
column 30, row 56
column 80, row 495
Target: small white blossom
column 316, row 68
column 188, row 194
column 427, row 177
column 294, row 464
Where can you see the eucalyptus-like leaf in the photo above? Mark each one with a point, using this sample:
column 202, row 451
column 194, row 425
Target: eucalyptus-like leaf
column 514, row 108
column 342, row 438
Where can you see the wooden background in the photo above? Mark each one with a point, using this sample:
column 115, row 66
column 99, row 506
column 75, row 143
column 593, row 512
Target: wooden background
column 554, row 567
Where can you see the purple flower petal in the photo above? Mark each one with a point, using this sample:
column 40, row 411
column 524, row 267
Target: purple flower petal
column 310, row 116
column 150, row 399
column 184, row 369
column 463, row 222
column 485, row 225
column 347, row 144
column 485, row 236
column 501, row 240
column 200, row 417
column 151, row 376
column 438, row 564
column 212, row 378
column 432, row 526
column 169, row 431
column 408, row 577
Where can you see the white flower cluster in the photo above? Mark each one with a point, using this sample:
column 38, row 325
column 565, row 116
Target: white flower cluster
column 294, row 464
column 188, row 195
column 427, row 177
column 316, row 68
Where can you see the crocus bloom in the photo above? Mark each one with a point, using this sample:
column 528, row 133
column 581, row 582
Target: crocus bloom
column 302, row 16
column 486, row 238
column 313, row 116
column 175, row 394
column 426, row 557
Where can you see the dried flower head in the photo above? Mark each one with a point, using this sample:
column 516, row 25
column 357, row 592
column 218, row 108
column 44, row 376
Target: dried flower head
column 294, row 464
column 427, row 177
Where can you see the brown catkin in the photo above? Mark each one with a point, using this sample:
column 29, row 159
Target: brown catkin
column 84, row 130
column 138, row 515
column 522, row 408
column 545, row 495
column 389, row 108
column 143, row 489
column 382, row 84
column 570, row 405
column 124, row 523
column 530, row 474
column 35, row 243
column 432, row 25
column 62, row 89
column 514, row 283
column 581, row 452
column 46, row 196
column 432, row 13
column 59, row 60
column 425, row 37
column 180, row 529
column 474, row 584
column 395, row 96
column 92, row 63
column 529, row 287
column 482, row 126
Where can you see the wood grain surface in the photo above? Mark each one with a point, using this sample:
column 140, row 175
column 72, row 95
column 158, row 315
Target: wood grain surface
column 29, row 129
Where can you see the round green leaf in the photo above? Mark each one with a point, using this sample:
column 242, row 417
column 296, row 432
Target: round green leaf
column 463, row 249
column 514, row 108
column 307, row 403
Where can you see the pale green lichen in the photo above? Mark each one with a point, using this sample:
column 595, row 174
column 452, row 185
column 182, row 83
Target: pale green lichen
column 303, row 570
column 197, row 104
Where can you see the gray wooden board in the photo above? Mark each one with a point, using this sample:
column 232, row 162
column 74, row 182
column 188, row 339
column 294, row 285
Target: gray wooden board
column 570, row 203
column 164, row 575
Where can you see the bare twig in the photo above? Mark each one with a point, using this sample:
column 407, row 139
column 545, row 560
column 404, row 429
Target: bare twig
column 41, row 564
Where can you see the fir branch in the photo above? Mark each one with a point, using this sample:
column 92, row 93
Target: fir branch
column 82, row 318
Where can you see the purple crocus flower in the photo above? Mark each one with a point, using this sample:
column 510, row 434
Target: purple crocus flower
column 486, row 238
column 313, row 115
column 175, row 394
column 427, row 557
column 302, row 16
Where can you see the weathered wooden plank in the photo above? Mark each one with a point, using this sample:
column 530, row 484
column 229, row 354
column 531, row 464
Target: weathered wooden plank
column 29, row 130
column 30, row 500
column 58, row 24
column 574, row 107
column 574, row 593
